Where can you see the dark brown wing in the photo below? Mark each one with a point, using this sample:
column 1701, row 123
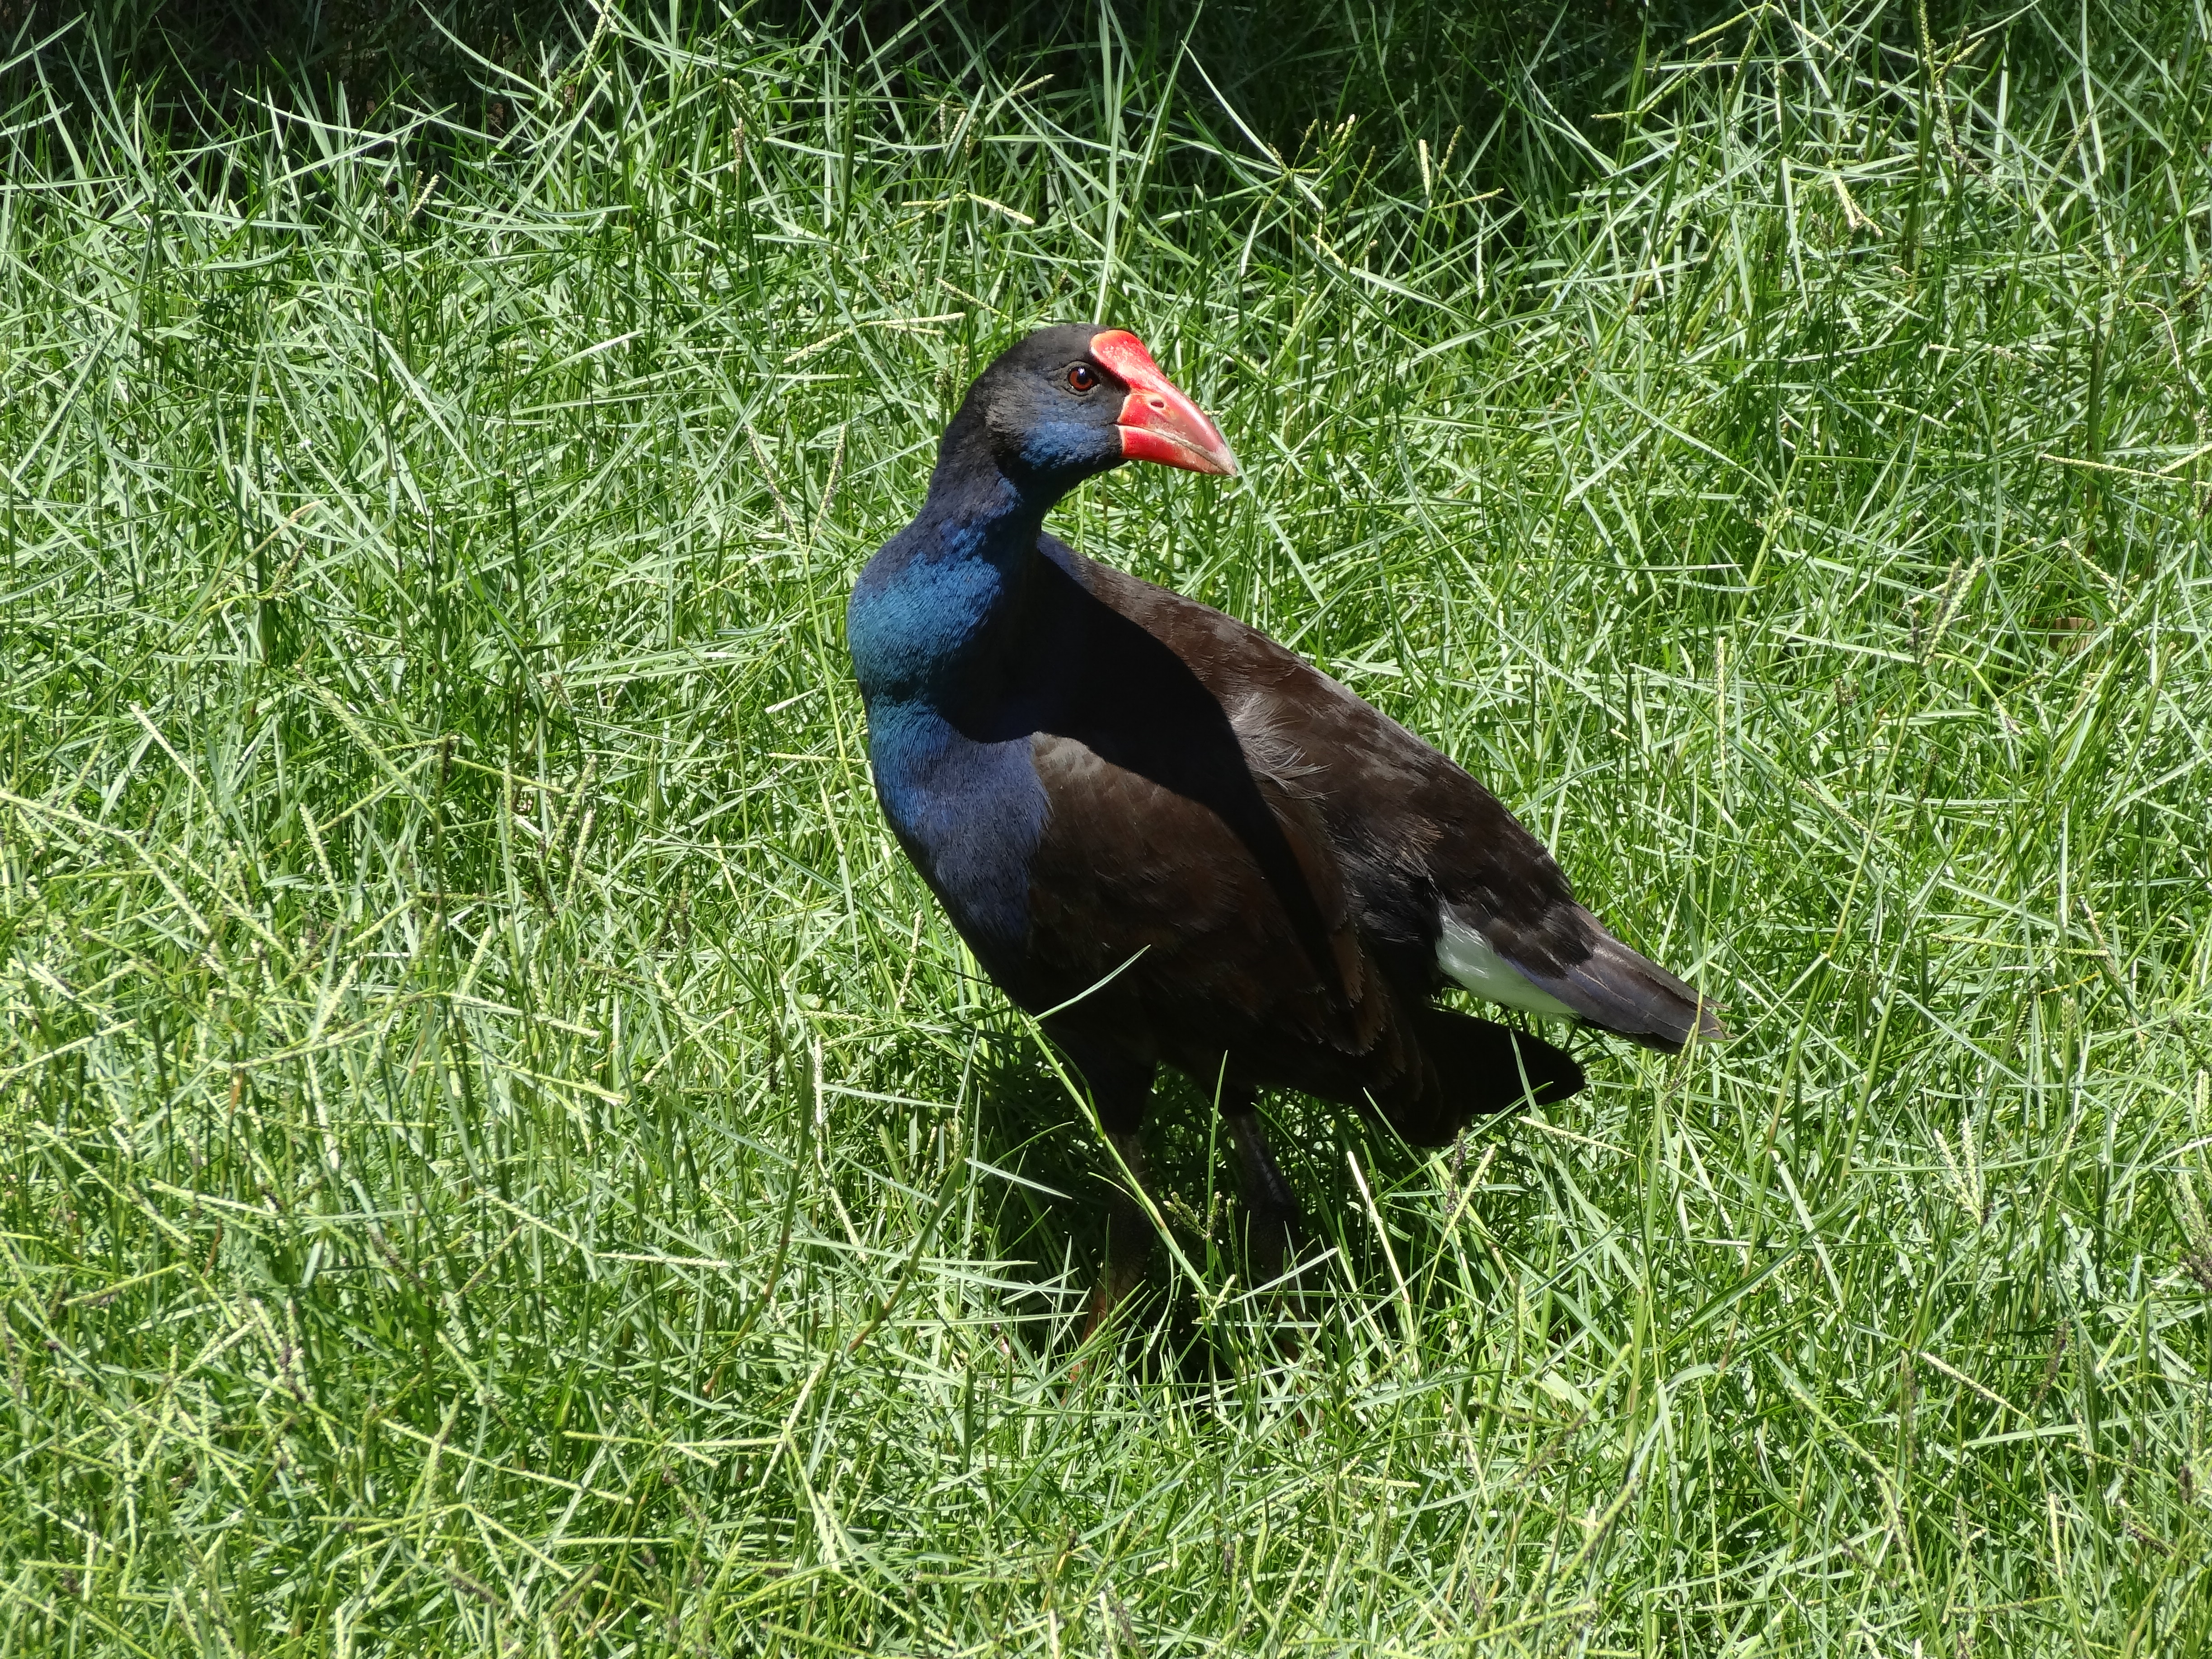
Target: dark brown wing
column 1196, row 908
column 1215, row 923
column 1413, row 834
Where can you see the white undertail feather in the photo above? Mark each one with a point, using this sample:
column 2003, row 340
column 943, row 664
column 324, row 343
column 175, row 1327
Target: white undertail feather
column 1463, row 953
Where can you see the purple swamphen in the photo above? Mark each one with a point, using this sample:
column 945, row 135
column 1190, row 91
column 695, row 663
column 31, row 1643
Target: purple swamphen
column 1178, row 842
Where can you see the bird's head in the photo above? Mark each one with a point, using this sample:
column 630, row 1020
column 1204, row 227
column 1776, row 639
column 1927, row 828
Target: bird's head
column 1070, row 402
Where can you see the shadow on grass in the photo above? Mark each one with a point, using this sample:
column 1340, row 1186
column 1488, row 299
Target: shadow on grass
column 1048, row 1227
column 1521, row 78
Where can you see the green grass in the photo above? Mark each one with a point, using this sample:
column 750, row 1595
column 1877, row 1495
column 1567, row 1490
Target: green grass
column 498, row 1152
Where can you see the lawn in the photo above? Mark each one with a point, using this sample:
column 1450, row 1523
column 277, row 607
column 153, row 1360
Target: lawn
column 499, row 1153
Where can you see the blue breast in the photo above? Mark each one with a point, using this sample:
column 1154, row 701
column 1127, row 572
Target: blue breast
column 969, row 813
column 951, row 762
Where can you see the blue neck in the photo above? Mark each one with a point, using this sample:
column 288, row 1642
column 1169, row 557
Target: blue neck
column 930, row 613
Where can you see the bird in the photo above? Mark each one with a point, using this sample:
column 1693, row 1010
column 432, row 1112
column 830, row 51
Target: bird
column 1176, row 842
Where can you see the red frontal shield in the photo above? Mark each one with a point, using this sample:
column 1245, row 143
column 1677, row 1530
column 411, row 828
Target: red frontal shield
column 1158, row 421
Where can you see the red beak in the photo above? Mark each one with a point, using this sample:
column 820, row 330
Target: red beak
column 1158, row 423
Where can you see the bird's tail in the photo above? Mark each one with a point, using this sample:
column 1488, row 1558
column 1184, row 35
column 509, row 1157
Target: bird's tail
column 1614, row 988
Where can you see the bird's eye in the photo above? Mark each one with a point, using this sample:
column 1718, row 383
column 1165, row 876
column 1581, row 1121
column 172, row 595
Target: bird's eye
column 1082, row 378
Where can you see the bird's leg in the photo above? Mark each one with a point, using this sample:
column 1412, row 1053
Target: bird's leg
column 1129, row 1234
column 1270, row 1207
column 1120, row 1085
